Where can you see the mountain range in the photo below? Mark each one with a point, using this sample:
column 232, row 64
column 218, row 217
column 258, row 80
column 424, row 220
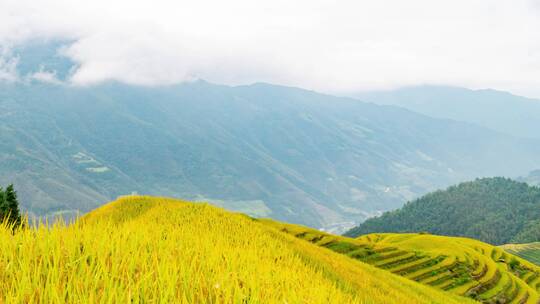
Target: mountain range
column 498, row 110
column 266, row 150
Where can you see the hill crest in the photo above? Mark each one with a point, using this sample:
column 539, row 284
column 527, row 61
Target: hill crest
column 140, row 248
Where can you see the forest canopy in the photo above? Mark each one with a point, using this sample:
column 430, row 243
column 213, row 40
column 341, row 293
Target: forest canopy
column 9, row 206
column 494, row 210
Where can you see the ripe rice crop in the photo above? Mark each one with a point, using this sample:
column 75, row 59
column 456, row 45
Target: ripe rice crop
column 156, row 250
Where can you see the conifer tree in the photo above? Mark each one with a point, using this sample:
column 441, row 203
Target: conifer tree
column 9, row 206
column 3, row 206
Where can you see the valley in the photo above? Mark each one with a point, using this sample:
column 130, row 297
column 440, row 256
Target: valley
column 287, row 153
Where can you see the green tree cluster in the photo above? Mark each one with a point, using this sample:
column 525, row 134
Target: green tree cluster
column 9, row 206
column 494, row 210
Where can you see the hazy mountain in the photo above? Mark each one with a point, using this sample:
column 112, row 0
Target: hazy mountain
column 500, row 111
column 533, row 178
column 494, row 210
column 269, row 150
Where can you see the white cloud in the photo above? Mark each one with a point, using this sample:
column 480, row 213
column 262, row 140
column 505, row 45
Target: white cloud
column 45, row 76
column 8, row 66
column 334, row 46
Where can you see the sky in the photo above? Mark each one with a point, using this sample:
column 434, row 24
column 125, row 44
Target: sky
column 329, row 46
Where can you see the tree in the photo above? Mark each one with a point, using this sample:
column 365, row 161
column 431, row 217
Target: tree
column 9, row 206
column 3, row 205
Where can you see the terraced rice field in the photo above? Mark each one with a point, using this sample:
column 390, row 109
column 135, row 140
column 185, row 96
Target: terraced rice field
column 155, row 250
column 458, row 265
column 530, row 252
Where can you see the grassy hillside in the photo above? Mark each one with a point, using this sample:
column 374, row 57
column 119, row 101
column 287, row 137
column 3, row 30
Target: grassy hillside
column 460, row 266
column 530, row 252
column 168, row 251
column 494, row 210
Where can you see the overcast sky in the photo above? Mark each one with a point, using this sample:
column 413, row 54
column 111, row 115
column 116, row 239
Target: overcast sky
column 330, row 46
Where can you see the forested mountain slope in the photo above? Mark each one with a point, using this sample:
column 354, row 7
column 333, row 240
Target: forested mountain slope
column 494, row 210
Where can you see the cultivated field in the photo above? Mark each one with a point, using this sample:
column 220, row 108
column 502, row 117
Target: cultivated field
column 457, row 265
column 156, row 250
column 530, row 252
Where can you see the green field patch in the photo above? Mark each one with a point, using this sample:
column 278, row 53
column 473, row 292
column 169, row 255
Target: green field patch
column 433, row 269
column 418, row 264
column 530, row 252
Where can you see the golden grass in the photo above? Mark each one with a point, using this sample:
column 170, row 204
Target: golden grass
column 156, row 250
column 461, row 266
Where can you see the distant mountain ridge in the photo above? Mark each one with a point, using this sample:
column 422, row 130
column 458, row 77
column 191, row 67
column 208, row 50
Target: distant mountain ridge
column 533, row 178
column 274, row 151
column 493, row 210
column 266, row 150
column 497, row 110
